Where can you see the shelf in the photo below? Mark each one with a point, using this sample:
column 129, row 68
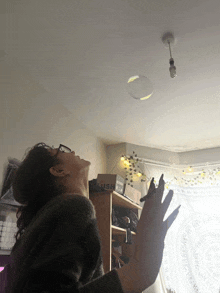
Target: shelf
column 103, row 203
column 119, row 231
column 5, row 252
column 120, row 200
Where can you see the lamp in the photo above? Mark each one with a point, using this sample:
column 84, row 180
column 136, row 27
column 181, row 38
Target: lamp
column 168, row 39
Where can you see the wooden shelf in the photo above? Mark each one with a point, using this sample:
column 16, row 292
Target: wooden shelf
column 119, row 200
column 103, row 203
column 119, row 231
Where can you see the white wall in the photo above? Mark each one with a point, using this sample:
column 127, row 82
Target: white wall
column 200, row 156
column 153, row 154
column 115, row 166
column 87, row 146
column 52, row 124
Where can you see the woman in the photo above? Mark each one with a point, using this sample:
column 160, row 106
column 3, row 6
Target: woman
column 57, row 245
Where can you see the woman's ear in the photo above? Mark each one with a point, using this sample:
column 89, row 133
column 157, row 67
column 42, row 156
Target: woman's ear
column 58, row 171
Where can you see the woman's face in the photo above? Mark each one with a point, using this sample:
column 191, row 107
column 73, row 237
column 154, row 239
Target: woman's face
column 70, row 161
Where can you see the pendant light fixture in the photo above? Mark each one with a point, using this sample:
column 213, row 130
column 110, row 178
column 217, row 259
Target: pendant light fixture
column 169, row 39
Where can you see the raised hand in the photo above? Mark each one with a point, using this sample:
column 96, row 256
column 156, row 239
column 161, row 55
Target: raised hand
column 151, row 232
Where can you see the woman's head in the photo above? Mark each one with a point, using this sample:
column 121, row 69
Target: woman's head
column 33, row 185
column 44, row 174
column 33, row 181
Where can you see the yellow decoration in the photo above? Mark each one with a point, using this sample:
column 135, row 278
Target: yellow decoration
column 190, row 169
column 205, row 176
column 126, row 163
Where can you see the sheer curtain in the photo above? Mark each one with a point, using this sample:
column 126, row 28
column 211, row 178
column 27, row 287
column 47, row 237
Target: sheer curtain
column 191, row 260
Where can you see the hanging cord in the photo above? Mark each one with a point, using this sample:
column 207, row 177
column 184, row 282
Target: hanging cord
column 170, row 50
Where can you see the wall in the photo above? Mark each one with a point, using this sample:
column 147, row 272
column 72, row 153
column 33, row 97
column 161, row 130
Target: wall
column 153, row 154
column 113, row 156
column 197, row 157
column 200, row 156
column 52, row 124
column 31, row 113
column 115, row 166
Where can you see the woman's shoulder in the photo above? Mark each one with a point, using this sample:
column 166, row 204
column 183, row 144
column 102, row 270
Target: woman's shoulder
column 66, row 206
column 75, row 203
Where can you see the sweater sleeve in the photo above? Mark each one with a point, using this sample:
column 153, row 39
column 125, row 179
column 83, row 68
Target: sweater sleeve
column 61, row 249
column 108, row 283
column 61, row 252
column 73, row 250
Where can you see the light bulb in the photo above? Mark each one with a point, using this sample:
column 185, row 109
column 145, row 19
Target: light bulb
column 140, row 87
column 172, row 71
column 172, row 68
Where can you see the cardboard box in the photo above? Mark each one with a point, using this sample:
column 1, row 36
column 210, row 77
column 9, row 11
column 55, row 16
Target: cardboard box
column 111, row 182
column 132, row 193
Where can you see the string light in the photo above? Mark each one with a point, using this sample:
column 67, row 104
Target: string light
column 189, row 176
column 122, row 158
column 190, row 169
column 210, row 176
column 132, row 168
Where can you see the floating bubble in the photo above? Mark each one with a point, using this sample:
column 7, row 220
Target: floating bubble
column 140, row 87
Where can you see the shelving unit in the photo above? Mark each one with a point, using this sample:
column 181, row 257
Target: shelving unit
column 103, row 203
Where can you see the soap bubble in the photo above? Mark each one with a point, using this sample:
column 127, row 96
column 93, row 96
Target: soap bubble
column 140, row 87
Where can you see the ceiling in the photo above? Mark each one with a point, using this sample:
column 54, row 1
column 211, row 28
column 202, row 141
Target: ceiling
column 72, row 58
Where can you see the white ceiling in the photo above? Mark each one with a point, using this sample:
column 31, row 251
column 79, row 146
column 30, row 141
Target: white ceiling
column 77, row 55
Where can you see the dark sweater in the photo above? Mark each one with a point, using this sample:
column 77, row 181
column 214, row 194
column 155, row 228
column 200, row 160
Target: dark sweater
column 60, row 251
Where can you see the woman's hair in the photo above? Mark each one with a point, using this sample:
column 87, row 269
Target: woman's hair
column 34, row 185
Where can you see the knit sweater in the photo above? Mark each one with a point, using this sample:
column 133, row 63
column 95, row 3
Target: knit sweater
column 60, row 251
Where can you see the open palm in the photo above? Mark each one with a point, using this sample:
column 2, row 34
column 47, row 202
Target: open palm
column 151, row 232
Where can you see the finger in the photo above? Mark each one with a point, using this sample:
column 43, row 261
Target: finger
column 150, row 192
column 167, row 202
column 151, row 189
column 169, row 221
column 152, row 185
column 161, row 178
column 160, row 188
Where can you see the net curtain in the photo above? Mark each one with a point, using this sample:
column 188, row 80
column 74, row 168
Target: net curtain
column 191, row 260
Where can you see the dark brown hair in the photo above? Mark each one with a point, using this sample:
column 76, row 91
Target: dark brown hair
column 34, row 185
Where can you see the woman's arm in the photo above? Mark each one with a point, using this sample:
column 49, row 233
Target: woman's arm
column 142, row 271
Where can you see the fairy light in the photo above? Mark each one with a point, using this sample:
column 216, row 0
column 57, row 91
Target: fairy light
column 189, row 176
column 132, row 168
column 190, row 169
